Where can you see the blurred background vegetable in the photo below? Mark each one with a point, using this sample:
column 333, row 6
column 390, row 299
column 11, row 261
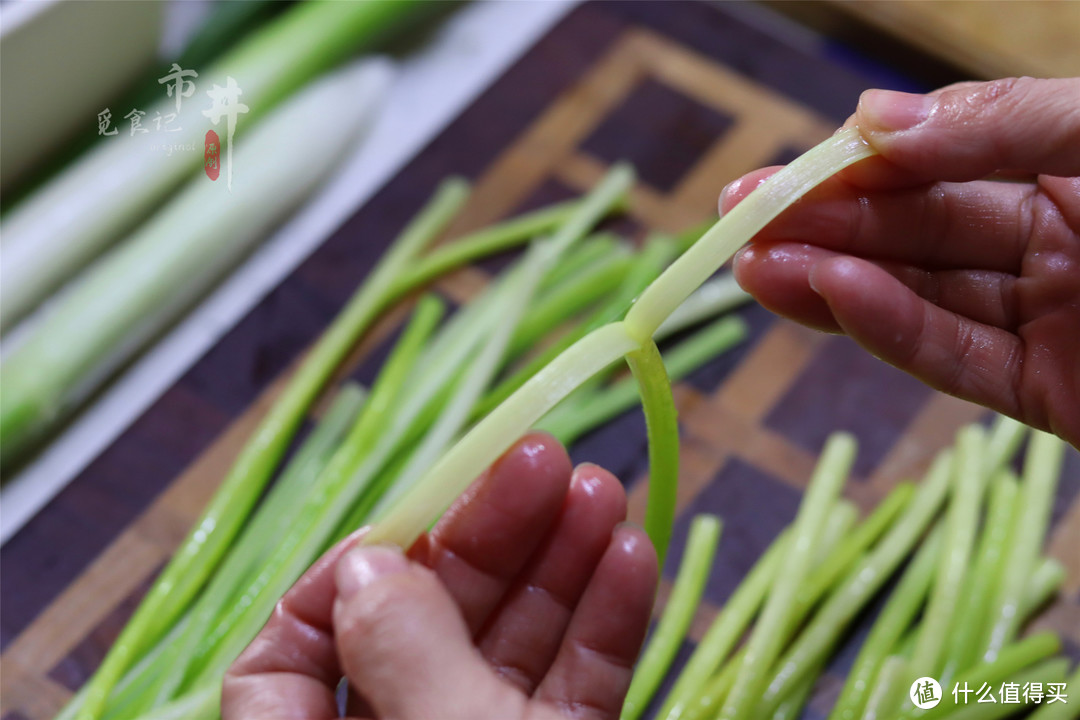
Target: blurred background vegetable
column 130, row 294
column 51, row 233
column 175, row 242
column 225, row 23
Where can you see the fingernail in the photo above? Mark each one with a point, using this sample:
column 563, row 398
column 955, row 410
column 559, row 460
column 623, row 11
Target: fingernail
column 584, row 470
column 362, row 566
column 533, row 446
column 587, row 477
column 812, row 278
column 631, row 541
column 891, row 111
column 720, row 198
column 733, row 188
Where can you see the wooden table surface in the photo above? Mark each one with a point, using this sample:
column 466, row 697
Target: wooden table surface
column 976, row 39
column 989, row 39
column 693, row 97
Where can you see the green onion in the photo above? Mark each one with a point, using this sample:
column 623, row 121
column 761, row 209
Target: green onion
column 1045, row 582
column 275, row 514
column 1006, row 435
column 678, row 613
column 838, row 561
column 589, row 407
column 881, row 675
column 203, row 704
column 888, row 689
column 584, row 256
column 860, row 585
column 500, row 429
column 493, row 435
column 1042, row 468
column 326, row 504
column 705, row 344
column 792, row 706
column 491, row 240
column 608, row 194
column 1045, row 672
column 716, row 296
column 1011, row 660
column 967, row 638
column 138, row 684
column 766, row 641
column 213, row 532
column 350, row 478
column 842, row 517
column 136, row 290
column 894, row 620
column 106, row 192
column 308, row 535
column 1060, row 710
column 567, row 299
column 225, row 23
column 961, row 523
column 430, row 409
column 645, row 267
column 662, row 429
column 712, row 697
column 724, row 632
column 508, row 302
column 744, row 221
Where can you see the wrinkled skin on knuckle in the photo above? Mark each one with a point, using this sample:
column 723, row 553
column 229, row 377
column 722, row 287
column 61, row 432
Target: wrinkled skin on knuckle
column 972, row 115
column 1018, row 121
column 992, row 97
column 1049, row 299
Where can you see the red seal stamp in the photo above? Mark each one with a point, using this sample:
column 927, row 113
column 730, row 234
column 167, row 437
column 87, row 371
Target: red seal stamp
column 212, row 155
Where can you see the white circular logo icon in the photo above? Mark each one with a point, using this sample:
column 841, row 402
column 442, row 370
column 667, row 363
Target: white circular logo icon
column 925, row 693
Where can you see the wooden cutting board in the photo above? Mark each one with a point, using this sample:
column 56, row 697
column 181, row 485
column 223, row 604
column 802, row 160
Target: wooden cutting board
column 694, row 97
column 987, row 39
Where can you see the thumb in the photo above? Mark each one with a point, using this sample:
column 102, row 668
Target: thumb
column 404, row 646
column 970, row 130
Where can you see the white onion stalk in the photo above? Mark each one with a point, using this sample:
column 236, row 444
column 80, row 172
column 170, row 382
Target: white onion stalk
column 60, row 227
column 139, row 287
column 717, row 296
column 493, row 435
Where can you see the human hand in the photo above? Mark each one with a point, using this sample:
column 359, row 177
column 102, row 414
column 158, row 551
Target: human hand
column 528, row 599
column 968, row 283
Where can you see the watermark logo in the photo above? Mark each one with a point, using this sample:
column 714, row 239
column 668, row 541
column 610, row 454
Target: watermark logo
column 1011, row 693
column 227, row 105
column 176, row 86
column 925, row 693
column 104, row 123
column 179, row 84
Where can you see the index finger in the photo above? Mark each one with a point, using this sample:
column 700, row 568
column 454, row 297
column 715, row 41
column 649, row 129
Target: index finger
column 971, row 130
column 977, row 225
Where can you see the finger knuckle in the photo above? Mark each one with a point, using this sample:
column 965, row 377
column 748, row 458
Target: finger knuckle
column 987, row 100
column 992, row 110
column 965, row 349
